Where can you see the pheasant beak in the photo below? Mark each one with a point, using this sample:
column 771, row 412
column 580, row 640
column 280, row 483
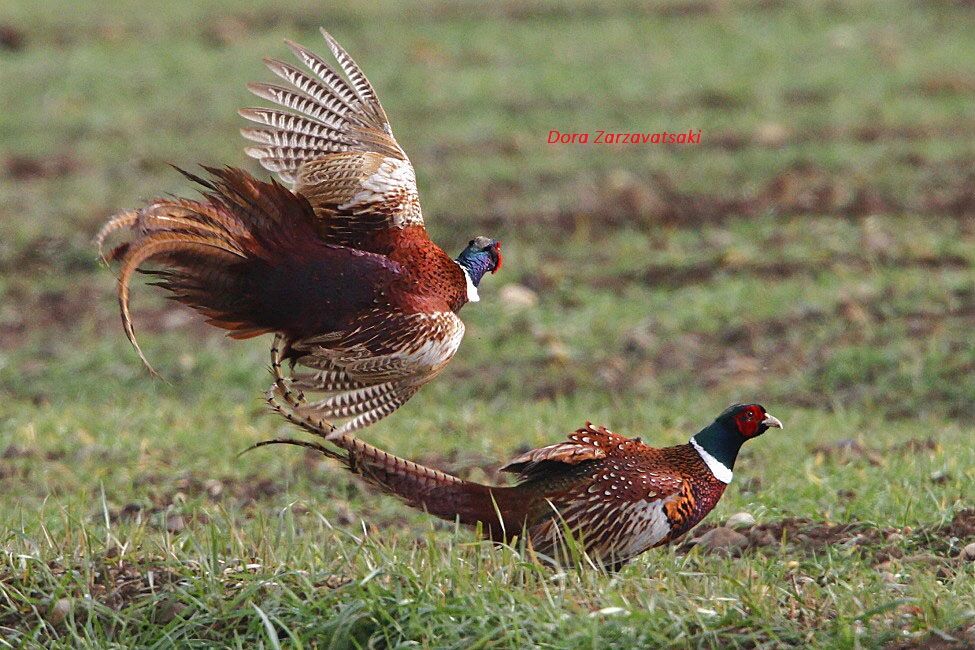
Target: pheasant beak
column 772, row 422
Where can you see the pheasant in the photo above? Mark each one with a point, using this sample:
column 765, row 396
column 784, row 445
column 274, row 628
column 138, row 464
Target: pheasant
column 617, row 495
column 340, row 267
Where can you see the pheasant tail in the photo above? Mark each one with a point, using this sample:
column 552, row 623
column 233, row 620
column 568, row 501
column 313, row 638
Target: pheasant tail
column 244, row 256
column 437, row 493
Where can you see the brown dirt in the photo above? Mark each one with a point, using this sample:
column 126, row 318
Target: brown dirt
column 165, row 492
column 735, row 140
column 800, row 533
column 116, row 583
column 27, row 313
column 24, row 168
column 47, row 254
column 948, row 189
column 845, row 451
column 672, row 10
column 24, row 311
column 960, row 639
column 11, row 38
column 961, row 526
column 848, row 450
column 935, row 544
column 680, row 275
column 650, row 350
column 948, row 84
column 163, row 509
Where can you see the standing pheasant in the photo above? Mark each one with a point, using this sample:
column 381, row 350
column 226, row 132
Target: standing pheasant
column 617, row 495
column 340, row 267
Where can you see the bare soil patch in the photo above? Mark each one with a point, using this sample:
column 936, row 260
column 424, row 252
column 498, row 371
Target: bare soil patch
column 929, row 545
column 11, row 38
column 960, row 639
column 680, row 275
column 848, row 450
column 22, row 167
column 946, row 189
column 117, row 583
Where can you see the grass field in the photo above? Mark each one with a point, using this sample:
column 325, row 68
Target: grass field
column 815, row 253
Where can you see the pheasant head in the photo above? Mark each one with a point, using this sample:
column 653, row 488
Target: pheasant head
column 719, row 442
column 481, row 256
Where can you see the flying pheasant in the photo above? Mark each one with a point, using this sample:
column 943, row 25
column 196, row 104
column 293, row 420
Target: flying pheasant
column 617, row 495
column 340, row 267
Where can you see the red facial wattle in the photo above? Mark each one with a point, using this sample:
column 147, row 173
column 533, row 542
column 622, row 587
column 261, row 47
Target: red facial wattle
column 749, row 420
column 497, row 253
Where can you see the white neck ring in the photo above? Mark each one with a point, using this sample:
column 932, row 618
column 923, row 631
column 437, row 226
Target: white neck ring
column 472, row 295
column 720, row 471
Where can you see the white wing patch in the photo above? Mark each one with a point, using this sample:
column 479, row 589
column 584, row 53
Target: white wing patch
column 436, row 350
column 610, row 530
column 643, row 524
column 392, row 186
column 367, row 373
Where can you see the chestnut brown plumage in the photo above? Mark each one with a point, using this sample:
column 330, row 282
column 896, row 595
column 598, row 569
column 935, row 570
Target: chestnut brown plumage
column 616, row 495
column 340, row 267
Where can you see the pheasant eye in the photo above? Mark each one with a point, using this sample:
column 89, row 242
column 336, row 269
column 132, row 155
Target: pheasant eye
column 748, row 420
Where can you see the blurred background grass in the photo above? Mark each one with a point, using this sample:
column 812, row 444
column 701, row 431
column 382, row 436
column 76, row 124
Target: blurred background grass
column 815, row 253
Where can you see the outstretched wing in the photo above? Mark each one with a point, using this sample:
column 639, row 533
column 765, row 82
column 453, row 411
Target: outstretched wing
column 334, row 143
column 370, row 370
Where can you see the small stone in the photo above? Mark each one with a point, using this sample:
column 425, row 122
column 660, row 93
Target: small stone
column 740, row 520
column 213, row 487
column 760, row 537
column 344, row 514
column 59, row 611
column 843, row 37
column 940, row 476
column 557, row 351
column 11, row 38
column 610, row 611
column 968, row 553
column 888, row 577
column 175, row 319
column 516, row 297
column 722, row 540
column 921, row 558
column 772, row 134
column 175, row 523
column 131, row 511
column 167, row 611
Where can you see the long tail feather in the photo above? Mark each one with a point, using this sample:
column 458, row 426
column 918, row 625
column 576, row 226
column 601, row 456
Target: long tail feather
column 421, row 487
column 213, row 252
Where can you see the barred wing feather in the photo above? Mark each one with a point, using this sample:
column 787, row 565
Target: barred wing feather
column 331, row 139
column 371, row 370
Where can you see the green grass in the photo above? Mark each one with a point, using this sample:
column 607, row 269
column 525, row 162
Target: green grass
column 815, row 254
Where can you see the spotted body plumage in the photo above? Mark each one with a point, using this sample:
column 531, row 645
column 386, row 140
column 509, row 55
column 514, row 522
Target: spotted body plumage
column 340, row 266
column 618, row 496
column 622, row 498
